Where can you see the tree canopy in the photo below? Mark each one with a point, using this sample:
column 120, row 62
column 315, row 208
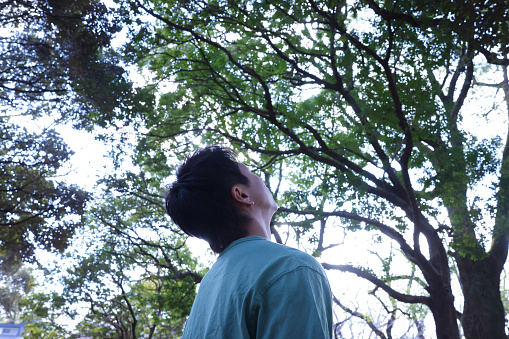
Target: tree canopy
column 354, row 113
column 53, row 62
column 36, row 211
column 53, row 52
column 358, row 108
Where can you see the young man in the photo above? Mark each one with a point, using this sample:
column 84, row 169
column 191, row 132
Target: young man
column 256, row 288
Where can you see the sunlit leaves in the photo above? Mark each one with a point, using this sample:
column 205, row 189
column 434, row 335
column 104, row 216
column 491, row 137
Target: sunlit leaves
column 37, row 211
column 347, row 108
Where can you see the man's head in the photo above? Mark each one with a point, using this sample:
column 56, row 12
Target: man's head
column 207, row 200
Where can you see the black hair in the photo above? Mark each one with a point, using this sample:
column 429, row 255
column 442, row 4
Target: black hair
column 200, row 200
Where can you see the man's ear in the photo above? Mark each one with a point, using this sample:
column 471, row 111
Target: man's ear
column 240, row 195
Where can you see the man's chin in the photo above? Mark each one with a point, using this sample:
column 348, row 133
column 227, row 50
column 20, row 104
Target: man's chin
column 275, row 207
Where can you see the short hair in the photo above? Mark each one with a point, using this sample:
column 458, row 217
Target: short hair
column 200, row 200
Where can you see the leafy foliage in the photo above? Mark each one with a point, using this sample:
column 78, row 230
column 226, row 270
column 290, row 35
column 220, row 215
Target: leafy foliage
column 50, row 47
column 360, row 104
column 16, row 282
column 137, row 276
column 352, row 111
column 37, row 211
column 39, row 313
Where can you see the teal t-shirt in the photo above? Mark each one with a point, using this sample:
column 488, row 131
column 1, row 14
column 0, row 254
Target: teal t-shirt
column 260, row 289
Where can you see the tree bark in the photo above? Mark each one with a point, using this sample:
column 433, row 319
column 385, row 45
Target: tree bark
column 483, row 312
column 444, row 312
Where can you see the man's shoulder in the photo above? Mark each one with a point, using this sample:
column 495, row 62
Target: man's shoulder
column 259, row 244
column 260, row 250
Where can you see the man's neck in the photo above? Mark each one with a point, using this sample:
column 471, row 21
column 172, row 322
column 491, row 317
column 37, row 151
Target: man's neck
column 257, row 227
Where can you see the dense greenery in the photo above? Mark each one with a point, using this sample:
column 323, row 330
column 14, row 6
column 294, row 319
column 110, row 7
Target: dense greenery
column 51, row 58
column 136, row 274
column 57, row 61
column 355, row 114
column 36, row 210
column 360, row 105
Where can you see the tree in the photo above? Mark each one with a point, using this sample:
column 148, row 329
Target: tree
column 54, row 60
column 137, row 275
column 379, row 143
column 54, row 53
column 16, row 282
column 40, row 314
column 36, row 210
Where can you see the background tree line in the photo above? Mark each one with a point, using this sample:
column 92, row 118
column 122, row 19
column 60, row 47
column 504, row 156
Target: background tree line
column 354, row 112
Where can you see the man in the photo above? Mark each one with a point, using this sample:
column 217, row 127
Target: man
column 256, row 288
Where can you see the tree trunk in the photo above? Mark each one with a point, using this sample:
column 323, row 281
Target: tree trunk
column 444, row 313
column 483, row 312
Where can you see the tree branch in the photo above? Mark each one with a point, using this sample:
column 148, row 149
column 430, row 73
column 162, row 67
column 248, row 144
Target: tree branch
column 414, row 256
column 359, row 315
column 406, row 298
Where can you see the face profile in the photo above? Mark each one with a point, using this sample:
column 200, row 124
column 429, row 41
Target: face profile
column 255, row 201
column 258, row 191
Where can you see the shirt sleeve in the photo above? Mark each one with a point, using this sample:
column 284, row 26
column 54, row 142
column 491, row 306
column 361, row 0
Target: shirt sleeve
column 298, row 305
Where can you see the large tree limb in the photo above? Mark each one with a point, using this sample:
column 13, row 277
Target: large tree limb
column 406, row 298
column 499, row 249
column 492, row 58
column 414, row 256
